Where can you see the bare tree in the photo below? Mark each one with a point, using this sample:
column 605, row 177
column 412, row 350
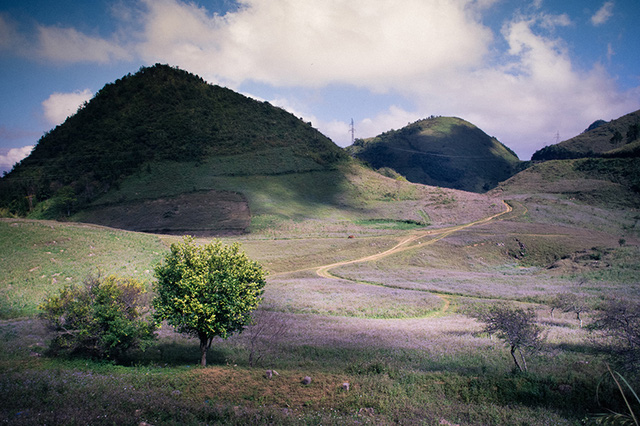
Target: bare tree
column 618, row 322
column 266, row 332
column 570, row 302
column 517, row 327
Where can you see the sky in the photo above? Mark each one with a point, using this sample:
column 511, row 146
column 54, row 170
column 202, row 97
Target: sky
column 529, row 73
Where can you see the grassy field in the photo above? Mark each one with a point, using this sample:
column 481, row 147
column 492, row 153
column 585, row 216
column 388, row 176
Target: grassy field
column 348, row 199
column 394, row 328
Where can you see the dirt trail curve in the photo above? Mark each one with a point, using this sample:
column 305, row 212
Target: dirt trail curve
column 410, row 242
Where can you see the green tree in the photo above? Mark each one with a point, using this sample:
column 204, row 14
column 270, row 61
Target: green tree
column 102, row 318
column 207, row 291
column 516, row 327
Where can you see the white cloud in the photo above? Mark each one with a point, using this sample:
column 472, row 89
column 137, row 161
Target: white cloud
column 67, row 45
column 12, row 156
column 312, row 43
column 534, row 92
column 610, row 52
column 392, row 118
column 603, row 14
column 60, row 45
column 59, row 106
column 550, row 21
column 435, row 53
column 8, row 33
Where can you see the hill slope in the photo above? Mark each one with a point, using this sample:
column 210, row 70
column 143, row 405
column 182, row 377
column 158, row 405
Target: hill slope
column 617, row 138
column 163, row 151
column 441, row 151
column 158, row 114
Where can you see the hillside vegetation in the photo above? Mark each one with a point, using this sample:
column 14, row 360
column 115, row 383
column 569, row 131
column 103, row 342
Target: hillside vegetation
column 441, row 151
column 159, row 114
column 617, row 138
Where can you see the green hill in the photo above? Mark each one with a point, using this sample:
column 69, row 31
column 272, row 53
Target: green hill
column 163, row 151
column 158, row 114
column 617, row 138
column 441, row 151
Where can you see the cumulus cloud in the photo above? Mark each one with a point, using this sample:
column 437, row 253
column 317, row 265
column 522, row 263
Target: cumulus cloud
column 60, row 45
column 312, row 43
column 8, row 33
column 59, row 106
column 438, row 54
column 393, row 117
column 603, row 14
column 12, row 156
column 532, row 92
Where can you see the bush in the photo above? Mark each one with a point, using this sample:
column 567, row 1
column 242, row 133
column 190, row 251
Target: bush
column 102, row 318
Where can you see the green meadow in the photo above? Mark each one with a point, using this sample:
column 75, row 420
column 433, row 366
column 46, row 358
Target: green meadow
column 395, row 328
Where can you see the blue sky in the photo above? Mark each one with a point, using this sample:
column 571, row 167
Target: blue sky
column 521, row 71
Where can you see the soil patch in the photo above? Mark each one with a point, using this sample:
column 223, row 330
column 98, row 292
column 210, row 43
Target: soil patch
column 202, row 213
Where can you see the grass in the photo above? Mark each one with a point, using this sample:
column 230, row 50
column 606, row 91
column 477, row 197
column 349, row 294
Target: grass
column 37, row 258
column 393, row 328
column 306, row 202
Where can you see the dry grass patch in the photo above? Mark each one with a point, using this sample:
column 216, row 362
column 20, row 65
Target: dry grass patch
column 306, row 293
column 285, row 390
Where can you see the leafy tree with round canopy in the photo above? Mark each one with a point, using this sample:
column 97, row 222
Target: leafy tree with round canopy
column 207, row 291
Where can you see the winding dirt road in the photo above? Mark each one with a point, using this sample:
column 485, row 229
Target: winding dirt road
column 410, row 242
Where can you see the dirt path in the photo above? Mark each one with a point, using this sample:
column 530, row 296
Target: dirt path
column 411, row 241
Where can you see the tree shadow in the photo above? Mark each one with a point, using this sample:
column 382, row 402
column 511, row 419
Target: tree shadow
column 174, row 354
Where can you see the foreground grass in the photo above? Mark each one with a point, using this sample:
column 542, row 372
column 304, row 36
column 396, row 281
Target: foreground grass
column 407, row 359
column 386, row 386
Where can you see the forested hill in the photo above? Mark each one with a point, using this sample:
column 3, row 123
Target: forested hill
column 160, row 113
column 441, row 151
column 616, row 138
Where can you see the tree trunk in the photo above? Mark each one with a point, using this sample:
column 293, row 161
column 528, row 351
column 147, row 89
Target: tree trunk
column 205, row 344
column 513, row 355
column 524, row 362
column 578, row 318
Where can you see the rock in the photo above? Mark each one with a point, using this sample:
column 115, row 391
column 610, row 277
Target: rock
column 270, row 373
column 345, row 386
column 306, row 380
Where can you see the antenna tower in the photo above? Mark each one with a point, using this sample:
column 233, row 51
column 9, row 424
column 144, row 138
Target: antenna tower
column 558, row 136
column 352, row 130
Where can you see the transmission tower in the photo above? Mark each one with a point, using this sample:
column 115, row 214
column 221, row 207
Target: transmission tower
column 558, row 136
column 352, row 130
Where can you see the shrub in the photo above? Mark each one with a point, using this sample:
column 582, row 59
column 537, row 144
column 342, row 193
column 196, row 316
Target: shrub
column 569, row 302
column 102, row 318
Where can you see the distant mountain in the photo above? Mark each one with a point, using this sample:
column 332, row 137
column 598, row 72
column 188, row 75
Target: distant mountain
column 441, row 151
column 159, row 114
column 616, row 138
